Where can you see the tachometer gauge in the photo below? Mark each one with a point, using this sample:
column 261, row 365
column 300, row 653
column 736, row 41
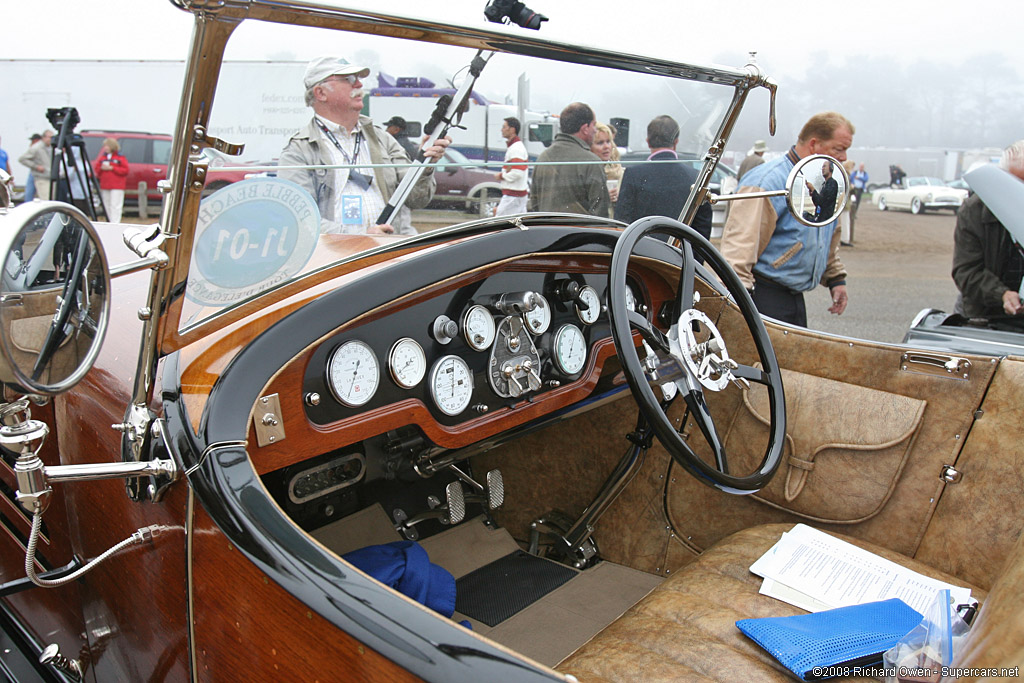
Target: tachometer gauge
column 592, row 312
column 539, row 319
column 451, row 385
column 353, row 373
column 478, row 328
column 407, row 362
column 570, row 351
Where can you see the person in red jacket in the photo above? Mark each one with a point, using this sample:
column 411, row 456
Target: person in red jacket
column 112, row 170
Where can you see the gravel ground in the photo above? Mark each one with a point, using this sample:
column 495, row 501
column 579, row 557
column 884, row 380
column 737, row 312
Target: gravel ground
column 899, row 263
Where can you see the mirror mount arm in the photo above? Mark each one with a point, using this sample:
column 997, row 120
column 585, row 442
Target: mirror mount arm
column 715, row 198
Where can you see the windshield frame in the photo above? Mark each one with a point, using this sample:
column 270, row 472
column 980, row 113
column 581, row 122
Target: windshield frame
column 165, row 333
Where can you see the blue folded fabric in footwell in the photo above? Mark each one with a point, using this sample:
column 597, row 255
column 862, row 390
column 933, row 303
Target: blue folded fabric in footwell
column 404, row 566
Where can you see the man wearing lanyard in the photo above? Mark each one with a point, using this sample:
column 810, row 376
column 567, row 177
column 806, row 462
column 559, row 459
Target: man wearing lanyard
column 350, row 198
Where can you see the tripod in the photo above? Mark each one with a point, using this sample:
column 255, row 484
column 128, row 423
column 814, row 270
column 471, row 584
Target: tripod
column 71, row 176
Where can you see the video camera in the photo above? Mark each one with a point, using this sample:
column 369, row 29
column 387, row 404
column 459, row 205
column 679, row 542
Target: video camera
column 59, row 116
column 505, row 11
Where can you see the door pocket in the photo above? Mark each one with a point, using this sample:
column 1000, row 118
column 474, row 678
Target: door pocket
column 846, row 446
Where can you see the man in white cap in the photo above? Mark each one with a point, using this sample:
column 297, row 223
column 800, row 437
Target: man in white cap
column 755, row 158
column 351, row 199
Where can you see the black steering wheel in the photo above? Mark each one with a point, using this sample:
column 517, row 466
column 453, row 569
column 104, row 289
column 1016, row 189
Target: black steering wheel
column 693, row 365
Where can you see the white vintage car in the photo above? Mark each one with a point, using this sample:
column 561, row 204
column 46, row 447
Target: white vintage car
column 918, row 194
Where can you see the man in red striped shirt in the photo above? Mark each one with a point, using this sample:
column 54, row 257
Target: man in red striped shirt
column 513, row 172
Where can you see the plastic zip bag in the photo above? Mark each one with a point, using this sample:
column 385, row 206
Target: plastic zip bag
column 933, row 644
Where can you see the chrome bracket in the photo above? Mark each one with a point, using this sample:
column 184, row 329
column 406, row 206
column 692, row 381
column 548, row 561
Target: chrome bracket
column 951, row 475
column 268, row 420
column 936, row 364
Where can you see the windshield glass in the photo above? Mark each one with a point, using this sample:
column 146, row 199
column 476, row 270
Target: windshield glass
column 329, row 122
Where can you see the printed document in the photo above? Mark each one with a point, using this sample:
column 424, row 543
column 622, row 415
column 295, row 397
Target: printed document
column 815, row 571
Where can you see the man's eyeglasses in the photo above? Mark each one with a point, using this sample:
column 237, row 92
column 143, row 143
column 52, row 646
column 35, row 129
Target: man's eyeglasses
column 351, row 79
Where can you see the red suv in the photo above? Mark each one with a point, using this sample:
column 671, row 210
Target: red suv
column 147, row 155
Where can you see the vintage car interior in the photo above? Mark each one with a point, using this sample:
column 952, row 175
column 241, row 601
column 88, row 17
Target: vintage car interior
column 587, row 425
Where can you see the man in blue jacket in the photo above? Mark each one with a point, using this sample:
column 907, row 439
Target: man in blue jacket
column 660, row 189
column 777, row 257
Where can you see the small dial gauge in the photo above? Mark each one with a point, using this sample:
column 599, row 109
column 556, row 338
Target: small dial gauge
column 353, row 373
column 630, row 299
column 592, row 312
column 539, row 319
column 451, row 385
column 570, row 352
column 478, row 328
column 407, row 362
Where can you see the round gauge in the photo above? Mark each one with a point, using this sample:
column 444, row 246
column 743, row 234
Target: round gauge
column 353, row 374
column 407, row 362
column 630, row 299
column 478, row 328
column 592, row 312
column 539, row 319
column 451, row 385
column 570, row 350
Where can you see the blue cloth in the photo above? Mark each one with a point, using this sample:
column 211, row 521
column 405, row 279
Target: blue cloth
column 797, row 255
column 3, row 159
column 404, row 566
column 847, row 637
column 30, row 188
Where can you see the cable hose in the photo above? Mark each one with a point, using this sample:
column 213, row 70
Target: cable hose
column 30, row 555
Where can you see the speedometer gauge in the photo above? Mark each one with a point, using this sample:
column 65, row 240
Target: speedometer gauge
column 539, row 319
column 592, row 311
column 451, row 385
column 570, row 351
column 478, row 328
column 407, row 363
column 353, row 373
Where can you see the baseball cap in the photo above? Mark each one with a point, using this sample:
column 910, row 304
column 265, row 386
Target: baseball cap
column 324, row 67
column 395, row 121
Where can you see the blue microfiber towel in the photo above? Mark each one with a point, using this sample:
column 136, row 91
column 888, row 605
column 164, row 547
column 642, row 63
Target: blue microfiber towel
column 404, row 566
column 843, row 638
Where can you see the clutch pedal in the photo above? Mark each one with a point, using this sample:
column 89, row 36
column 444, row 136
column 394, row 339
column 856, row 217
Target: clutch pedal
column 452, row 512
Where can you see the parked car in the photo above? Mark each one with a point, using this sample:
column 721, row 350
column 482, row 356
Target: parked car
column 237, row 446
column 920, row 193
column 474, row 189
column 148, row 155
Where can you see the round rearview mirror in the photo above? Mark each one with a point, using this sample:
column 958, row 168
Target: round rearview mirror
column 817, row 190
column 54, row 297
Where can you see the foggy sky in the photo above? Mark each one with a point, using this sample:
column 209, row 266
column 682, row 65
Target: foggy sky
column 907, row 74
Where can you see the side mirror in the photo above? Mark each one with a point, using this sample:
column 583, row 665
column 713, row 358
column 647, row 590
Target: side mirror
column 54, row 296
column 817, row 190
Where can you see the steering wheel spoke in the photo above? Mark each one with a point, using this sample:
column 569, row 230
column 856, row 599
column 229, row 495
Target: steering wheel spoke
column 695, row 343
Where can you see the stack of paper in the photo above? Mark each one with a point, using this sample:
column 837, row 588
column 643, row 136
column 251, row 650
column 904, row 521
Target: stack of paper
column 815, row 571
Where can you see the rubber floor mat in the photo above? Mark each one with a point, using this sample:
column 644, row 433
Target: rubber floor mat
column 508, row 585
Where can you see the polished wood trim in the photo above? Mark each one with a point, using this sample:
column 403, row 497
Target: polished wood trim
column 269, row 635
column 304, row 439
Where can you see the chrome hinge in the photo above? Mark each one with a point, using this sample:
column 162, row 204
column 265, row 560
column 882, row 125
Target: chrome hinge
column 936, row 364
column 268, row 421
column 950, row 474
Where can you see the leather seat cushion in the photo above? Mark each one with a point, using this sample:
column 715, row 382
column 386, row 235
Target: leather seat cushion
column 686, row 628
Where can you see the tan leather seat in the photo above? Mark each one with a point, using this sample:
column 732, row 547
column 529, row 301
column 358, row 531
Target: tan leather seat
column 686, row 628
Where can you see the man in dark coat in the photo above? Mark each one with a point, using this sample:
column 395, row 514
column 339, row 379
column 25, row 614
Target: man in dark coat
column 825, row 198
column 660, row 189
column 988, row 265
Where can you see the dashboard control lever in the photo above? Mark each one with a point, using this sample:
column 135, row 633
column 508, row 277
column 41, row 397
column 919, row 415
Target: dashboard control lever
column 517, row 303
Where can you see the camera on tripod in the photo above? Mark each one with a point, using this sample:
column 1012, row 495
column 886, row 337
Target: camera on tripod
column 58, row 116
column 505, row 11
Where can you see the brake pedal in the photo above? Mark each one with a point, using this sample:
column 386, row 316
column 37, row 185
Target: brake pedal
column 495, row 489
